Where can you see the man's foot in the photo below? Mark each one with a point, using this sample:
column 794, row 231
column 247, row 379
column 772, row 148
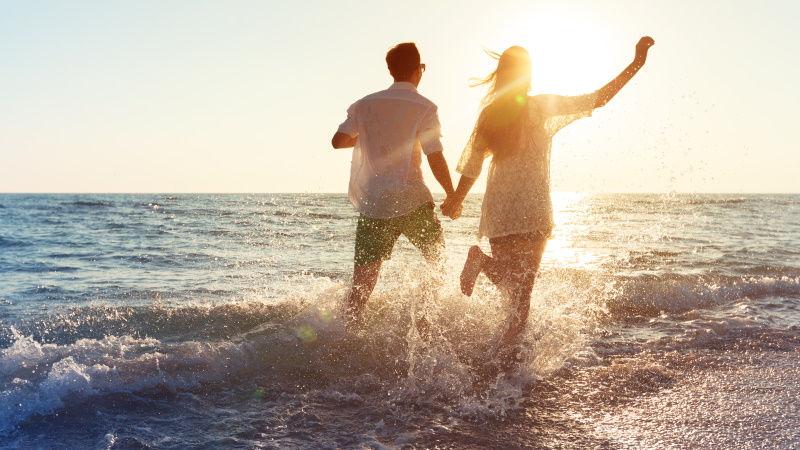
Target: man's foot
column 472, row 268
column 352, row 321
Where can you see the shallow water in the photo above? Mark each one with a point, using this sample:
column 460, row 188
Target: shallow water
column 203, row 321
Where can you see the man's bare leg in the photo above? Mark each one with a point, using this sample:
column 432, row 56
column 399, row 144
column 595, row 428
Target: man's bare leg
column 436, row 264
column 364, row 278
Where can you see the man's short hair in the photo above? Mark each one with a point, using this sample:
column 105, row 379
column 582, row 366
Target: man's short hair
column 403, row 59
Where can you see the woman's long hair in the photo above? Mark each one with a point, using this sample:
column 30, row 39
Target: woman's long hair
column 504, row 114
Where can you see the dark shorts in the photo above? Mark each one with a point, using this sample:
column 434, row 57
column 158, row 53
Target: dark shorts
column 511, row 238
column 375, row 238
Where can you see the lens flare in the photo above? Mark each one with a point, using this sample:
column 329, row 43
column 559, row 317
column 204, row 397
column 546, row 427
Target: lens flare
column 307, row 333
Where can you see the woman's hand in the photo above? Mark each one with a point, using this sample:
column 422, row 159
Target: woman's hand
column 641, row 48
column 607, row 92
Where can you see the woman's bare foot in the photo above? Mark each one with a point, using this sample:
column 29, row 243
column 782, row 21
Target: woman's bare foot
column 472, row 268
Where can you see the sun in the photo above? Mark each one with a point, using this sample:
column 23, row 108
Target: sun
column 570, row 52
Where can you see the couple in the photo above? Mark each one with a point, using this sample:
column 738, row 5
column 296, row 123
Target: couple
column 390, row 130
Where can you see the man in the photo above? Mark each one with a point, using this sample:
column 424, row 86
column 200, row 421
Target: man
column 389, row 131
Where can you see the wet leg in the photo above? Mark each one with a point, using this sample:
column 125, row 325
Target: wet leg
column 365, row 277
column 478, row 262
column 523, row 260
column 435, row 257
column 520, row 307
column 472, row 268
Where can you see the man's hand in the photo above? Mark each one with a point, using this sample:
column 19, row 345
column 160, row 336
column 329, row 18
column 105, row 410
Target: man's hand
column 452, row 208
column 641, row 48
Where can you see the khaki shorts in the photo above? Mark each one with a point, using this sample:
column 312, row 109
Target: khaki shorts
column 375, row 238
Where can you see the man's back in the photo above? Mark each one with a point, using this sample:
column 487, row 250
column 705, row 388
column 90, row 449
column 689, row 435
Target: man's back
column 394, row 127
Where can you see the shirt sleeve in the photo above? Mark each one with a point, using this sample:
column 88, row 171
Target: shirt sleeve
column 559, row 111
column 429, row 132
column 350, row 125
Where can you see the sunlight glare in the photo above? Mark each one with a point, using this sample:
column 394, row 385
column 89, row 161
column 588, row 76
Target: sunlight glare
column 570, row 54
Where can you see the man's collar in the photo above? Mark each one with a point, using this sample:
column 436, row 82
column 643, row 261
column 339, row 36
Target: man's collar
column 403, row 85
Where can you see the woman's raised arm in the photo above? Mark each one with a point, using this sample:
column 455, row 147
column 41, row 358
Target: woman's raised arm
column 607, row 92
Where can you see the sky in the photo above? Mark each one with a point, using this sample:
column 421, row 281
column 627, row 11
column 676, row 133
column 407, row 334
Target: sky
column 244, row 96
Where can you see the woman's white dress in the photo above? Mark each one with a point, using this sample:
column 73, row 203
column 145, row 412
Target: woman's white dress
column 517, row 199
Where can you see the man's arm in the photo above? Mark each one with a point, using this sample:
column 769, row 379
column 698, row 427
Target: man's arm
column 343, row 140
column 607, row 92
column 441, row 172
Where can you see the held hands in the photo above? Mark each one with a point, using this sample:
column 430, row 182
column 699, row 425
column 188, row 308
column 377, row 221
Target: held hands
column 641, row 48
column 451, row 208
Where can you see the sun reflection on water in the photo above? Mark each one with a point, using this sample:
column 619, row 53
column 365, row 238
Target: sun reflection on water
column 570, row 213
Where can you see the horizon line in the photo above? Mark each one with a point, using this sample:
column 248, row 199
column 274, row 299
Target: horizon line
column 345, row 193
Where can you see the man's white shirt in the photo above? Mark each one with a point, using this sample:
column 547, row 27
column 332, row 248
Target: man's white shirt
column 394, row 128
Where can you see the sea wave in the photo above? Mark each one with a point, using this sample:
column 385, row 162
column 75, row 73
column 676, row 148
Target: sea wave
column 38, row 379
column 690, row 200
column 298, row 343
column 92, row 204
column 651, row 295
column 65, row 359
column 721, row 201
column 7, row 242
column 157, row 321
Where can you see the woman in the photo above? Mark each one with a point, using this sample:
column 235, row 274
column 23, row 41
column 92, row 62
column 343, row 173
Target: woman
column 517, row 215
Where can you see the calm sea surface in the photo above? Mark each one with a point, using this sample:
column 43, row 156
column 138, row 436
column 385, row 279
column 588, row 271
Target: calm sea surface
column 214, row 321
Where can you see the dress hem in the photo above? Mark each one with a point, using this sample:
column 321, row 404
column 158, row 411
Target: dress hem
column 547, row 234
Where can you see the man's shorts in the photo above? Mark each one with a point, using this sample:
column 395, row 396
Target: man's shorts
column 375, row 238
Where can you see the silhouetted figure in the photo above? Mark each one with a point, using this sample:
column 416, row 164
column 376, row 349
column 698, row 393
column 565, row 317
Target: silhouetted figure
column 516, row 130
column 390, row 130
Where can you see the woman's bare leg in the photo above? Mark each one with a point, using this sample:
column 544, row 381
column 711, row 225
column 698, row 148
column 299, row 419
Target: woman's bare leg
column 521, row 259
column 472, row 268
column 513, row 265
column 478, row 262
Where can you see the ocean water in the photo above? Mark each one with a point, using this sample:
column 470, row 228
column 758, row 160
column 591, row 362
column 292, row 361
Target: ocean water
column 214, row 321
